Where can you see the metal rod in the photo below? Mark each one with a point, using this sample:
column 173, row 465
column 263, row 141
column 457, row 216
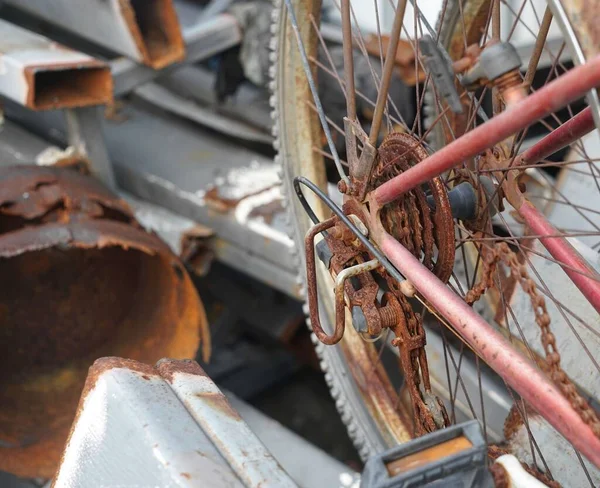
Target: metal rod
column 569, row 132
column 528, row 381
column 315, row 93
column 584, row 277
column 539, row 47
column 312, row 288
column 546, row 100
column 348, row 60
column 388, row 68
column 496, row 101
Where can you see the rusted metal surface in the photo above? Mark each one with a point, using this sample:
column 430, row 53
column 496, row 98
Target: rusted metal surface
column 85, row 281
column 197, row 249
column 41, row 74
column 147, row 31
column 409, row 219
column 405, row 57
column 520, row 274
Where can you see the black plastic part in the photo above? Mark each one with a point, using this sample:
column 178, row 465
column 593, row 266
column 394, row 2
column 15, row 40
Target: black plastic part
column 465, row 469
column 441, row 74
column 463, row 201
column 324, row 253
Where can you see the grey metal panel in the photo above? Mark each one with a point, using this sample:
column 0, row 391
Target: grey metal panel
column 18, row 146
column 231, row 435
column 25, row 57
column 85, row 136
column 250, row 104
column 176, row 165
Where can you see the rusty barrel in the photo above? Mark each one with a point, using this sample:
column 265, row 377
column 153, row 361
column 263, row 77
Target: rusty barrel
column 79, row 279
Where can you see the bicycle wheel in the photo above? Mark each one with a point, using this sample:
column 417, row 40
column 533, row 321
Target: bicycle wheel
column 494, row 258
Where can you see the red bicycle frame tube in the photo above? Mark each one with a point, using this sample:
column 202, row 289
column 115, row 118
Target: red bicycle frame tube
column 560, row 249
column 552, row 97
column 546, row 100
column 572, row 130
column 496, row 351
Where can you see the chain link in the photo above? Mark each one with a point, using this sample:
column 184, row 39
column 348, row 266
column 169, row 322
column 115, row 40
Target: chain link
column 501, row 252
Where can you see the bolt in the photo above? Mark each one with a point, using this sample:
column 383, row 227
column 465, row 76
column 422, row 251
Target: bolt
column 389, row 316
column 342, row 186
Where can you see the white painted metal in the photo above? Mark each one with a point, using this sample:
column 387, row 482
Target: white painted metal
column 168, row 426
column 41, row 74
column 233, row 438
column 147, row 31
column 132, row 431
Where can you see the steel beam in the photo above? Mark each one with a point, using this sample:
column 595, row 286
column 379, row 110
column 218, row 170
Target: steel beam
column 175, row 168
column 203, row 39
column 41, row 74
column 147, row 31
column 85, row 136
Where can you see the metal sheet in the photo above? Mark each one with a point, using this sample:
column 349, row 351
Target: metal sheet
column 131, row 431
column 87, row 140
column 147, row 31
column 41, row 74
column 255, row 466
column 249, row 104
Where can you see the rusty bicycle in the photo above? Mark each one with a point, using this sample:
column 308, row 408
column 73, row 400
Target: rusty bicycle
column 450, row 251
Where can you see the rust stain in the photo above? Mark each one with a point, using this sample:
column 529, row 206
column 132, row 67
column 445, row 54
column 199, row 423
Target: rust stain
column 187, row 476
column 168, row 368
column 404, row 60
column 218, row 402
column 267, row 211
column 86, row 281
column 197, row 249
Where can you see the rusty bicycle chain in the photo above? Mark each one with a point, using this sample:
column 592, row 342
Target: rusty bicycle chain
column 501, row 252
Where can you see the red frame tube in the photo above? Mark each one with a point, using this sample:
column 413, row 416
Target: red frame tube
column 561, row 250
column 546, row 100
column 522, row 375
column 572, row 130
column 552, row 97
